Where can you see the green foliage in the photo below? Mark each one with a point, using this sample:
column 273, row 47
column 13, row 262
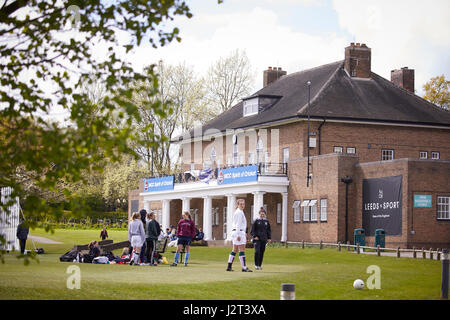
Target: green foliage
column 44, row 62
column 437, row 91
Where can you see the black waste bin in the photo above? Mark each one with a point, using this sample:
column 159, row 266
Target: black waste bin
column 359, row 236
column 380, row 238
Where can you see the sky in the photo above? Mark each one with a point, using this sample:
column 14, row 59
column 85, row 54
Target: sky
column 301, row 34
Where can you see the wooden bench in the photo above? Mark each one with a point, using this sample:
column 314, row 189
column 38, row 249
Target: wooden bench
column 103, row 243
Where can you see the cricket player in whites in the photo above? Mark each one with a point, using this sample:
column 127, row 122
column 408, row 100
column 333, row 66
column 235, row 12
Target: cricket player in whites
column 239, row 237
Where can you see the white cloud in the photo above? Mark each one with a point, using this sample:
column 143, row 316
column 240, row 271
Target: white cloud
column 401, row 33
column 260, row 32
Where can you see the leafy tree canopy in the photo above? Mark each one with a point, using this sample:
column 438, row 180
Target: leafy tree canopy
column 47, row 52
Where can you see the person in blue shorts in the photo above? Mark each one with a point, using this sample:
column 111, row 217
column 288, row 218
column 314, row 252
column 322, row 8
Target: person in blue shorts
column 185, row 233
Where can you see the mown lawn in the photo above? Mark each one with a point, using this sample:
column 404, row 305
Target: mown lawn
column 317, row 274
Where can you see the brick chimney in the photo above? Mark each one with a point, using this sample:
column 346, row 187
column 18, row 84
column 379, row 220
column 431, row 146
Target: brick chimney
column 272, row 74
column 358, row 60
column 404, row 78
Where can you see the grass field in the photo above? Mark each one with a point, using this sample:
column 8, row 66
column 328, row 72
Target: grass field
column 317, row 274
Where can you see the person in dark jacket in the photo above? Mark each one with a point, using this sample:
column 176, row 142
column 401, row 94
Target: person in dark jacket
column 22, row 235
column 142, row 255
column 261, row 234
column 185, row 233
column 104, row 234
column 152, row 231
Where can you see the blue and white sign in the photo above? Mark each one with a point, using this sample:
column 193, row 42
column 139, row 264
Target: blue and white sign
column 158, row 184
column 238, row 175
column 422, row 201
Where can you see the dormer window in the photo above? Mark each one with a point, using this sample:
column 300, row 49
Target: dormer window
column 251, row 106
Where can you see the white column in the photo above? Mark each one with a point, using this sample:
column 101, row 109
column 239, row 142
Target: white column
column 284, row 216
column 186, row 205
column 231, row 207
column 258, row 202
column 147, row 206
column 165, row 214
column 207, row 218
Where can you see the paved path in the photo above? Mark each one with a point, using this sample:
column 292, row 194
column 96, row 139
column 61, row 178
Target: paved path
column 43, row 240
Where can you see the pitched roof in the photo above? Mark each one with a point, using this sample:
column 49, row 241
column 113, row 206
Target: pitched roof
column 335, row 95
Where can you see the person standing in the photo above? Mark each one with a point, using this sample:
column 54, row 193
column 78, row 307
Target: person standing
column 22, row 235
column 136, row 236
column 143, row 214
column 185, row 233
column 152, row 231
column 261, row 234
column 239, row 237
column 104, row 234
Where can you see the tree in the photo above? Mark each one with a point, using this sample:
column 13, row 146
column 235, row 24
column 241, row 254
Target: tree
column 229, row 79
column 45, row 63
column 437, row 91
column 181, row 92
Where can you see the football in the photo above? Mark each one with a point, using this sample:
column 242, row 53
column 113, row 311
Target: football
column 358, row 284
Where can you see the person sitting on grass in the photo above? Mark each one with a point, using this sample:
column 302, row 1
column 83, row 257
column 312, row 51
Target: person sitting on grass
column 94, row 249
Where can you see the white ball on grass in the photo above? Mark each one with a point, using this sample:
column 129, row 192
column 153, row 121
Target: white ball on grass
column 358, row 284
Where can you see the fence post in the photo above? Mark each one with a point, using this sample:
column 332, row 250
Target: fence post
column 286, row 244
column 339, row 246
column 414, row 252
column 424, row 255
column 398, row 252
column 303, row 244
column 321, row 244
column 357, row 247
column 287, row 291
column 438, row 254
column 378, row 250
column 444, row 280
column 348, row 245
column 431, row 254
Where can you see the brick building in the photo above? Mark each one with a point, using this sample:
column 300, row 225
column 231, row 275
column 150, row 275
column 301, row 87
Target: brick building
column 376, row 156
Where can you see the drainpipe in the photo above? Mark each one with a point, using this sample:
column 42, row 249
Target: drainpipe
column 347, row 180
column 320, row 131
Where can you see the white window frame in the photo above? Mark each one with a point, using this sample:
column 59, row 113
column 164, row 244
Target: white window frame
column 387, row 154
column 435, row 155
column 324, row 209
column 423, row 155
column 250, row 107
column 337, row 148
column 306, row 211
column 216, row 214
column 443, row 207
column 296, row 207
column 313, row 210
column 213, row 155
column 279, row 213
column 285, row 155
column 351, row 150
column 235, row 154
column 259, row 150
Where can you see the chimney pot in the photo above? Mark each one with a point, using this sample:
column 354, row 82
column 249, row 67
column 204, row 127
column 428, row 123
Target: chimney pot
column 358, row 60
column 272, row 75
column 403, row 78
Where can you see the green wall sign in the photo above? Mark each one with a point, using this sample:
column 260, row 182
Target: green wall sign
column 422, row 200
